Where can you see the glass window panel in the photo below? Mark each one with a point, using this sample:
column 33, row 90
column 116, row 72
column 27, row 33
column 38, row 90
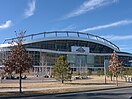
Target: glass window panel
column 90, row 59
column 71, row 58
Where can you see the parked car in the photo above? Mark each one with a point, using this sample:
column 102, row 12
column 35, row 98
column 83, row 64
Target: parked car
column 8, row 77
column 13, row 77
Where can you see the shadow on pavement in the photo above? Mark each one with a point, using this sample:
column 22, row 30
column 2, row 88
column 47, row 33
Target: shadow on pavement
column 90, row 83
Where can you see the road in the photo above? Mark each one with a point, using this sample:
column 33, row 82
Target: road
column 31, row 79
column 121, row 93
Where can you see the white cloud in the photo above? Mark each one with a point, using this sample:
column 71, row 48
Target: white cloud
column 88, row 6
column 70, row 27
column 63, row 28
column 117, row 38
column 31, row 8
column 118, row 23
column 7, row 24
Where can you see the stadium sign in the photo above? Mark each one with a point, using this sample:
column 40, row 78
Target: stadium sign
column 80, row 49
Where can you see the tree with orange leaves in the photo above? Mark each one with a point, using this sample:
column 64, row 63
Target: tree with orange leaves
column 115, row 65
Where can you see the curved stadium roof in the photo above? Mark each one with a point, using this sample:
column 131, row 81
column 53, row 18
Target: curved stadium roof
column 66, row 35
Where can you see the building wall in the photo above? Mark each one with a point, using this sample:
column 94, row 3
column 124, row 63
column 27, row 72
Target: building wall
column 45, row 53
column 65, row 45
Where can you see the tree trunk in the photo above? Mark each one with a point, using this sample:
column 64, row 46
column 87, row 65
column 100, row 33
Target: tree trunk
column 20, row 82
column 105, row 79
column 125, row 79
column 62, row 79
column 1, row 80
column 116, row 80
column 111, row 77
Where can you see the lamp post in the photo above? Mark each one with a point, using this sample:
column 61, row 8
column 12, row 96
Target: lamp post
column 42, row 65
column 105, row 74
column 80, row 66
column 105, row 67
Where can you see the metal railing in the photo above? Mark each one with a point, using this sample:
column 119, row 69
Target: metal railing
column 67, row 34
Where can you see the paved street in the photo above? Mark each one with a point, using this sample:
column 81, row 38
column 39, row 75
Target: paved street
column 30, row 79
column 122, row 93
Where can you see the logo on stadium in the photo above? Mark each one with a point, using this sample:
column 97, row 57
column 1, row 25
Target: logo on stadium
column 81, row 50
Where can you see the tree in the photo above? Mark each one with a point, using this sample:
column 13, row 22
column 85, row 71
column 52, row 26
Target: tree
column 130, row 71
column 126, row 72
column 115, row 66
column 89, row 72
column 109, row 74
column 61, row 69
column 122, row 72
column 2, row 72
column 70, row 73
column 18, row 60
column 100, row 72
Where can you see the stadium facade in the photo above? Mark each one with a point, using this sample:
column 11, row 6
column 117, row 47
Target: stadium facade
column 83, row 51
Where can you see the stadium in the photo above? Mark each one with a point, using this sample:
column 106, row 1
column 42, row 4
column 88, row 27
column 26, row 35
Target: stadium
column 83, row 51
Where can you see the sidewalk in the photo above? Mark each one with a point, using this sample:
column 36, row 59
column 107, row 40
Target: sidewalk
column 114, row 91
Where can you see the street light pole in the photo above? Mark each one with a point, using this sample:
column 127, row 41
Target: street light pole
column 105, row 65
column 80, row 66
column 105, row 74
column 42, row 65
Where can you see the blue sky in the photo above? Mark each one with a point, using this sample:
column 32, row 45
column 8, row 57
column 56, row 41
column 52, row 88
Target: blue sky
column 111, row 19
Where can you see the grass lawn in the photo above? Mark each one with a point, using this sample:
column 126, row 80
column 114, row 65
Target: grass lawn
column 87, row 84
